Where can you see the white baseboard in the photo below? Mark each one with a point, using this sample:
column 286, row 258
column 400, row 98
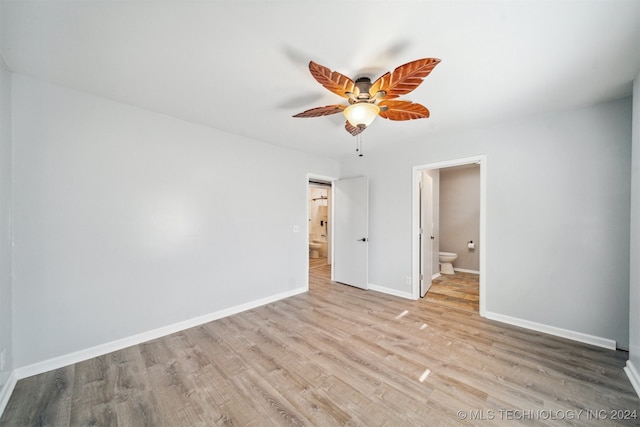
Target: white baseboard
column 552, row 330
column 464, row 270
column 7, row 390
column 634, row 376
column 435, row 276
column 99, row 350
column 389, row 291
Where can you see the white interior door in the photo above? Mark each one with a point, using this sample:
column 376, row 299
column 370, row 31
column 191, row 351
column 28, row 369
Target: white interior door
column 426, row 233
column 351, row 227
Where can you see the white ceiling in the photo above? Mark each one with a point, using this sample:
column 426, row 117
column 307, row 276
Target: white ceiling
column 241, row 66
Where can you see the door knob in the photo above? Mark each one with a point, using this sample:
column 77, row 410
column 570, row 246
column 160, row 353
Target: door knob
column 364, row 239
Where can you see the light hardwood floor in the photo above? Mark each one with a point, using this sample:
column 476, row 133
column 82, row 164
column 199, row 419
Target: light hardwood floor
column 460, row 290
column 337, row 355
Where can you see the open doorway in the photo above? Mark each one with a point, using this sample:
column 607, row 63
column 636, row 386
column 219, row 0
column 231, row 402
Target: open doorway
column 456, row 228
column 320, row 226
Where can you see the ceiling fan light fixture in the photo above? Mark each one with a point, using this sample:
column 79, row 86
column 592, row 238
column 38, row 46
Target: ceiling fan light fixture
column 361, row 114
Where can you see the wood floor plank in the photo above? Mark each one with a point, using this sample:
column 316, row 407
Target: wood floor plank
column 336, row 355
column 44, row 399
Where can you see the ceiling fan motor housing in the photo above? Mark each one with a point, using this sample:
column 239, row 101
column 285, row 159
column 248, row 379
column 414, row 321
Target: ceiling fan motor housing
column 361, row 91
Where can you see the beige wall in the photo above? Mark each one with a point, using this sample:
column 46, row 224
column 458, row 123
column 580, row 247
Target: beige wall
column 318, row 213
column 460, row 214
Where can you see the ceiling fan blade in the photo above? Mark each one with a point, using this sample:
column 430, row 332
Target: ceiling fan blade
column 405, row 78
column 402, row 110
column 322, row 111
column 353, row 130
column 332, row 80
column 379, row 84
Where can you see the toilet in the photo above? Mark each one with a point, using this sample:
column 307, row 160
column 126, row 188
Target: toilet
column 314, row 250
column 446, row 262
column 323, row 247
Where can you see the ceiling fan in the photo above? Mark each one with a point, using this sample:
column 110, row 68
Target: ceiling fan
column 367, row 100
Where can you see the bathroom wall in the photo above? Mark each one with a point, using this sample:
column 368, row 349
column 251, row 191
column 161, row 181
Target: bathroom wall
column 318, row 213
column 460, row 214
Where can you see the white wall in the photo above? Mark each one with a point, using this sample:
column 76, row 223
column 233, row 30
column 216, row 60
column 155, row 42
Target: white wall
column 557, row 239
column 6, row 196
column 634, row 282
column 126, row 220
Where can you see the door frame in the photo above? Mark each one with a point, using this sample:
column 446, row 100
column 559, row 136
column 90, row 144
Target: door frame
column 415, row 223
column 331, row 180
